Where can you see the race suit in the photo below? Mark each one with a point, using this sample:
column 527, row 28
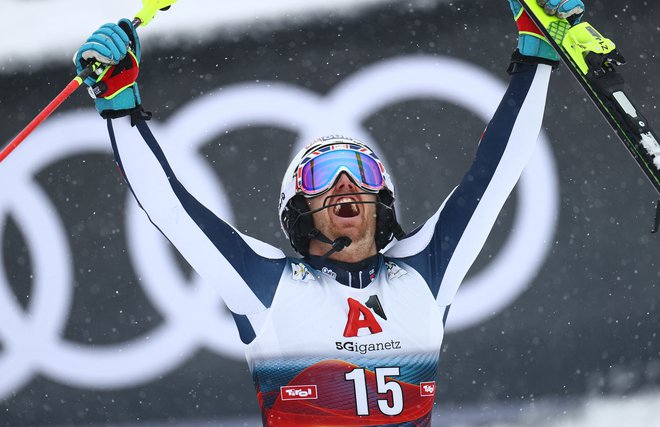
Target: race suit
column 331, row 343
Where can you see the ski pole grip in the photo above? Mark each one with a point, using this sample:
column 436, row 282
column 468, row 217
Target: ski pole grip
column 150, row 8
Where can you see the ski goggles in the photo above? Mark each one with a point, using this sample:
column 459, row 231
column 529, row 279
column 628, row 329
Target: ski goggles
column 318, row 172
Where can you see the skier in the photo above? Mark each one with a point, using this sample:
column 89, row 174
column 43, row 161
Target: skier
column 350, row 333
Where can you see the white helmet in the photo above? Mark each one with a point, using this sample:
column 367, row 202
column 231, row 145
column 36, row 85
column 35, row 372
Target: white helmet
column 295, row 217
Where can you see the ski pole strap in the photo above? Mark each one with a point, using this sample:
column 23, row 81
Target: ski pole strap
column 521, row 63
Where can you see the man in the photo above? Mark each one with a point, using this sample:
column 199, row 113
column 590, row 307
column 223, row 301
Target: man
column 351, row 333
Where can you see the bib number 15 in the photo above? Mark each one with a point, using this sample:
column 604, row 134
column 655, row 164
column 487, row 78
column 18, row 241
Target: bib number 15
column 383, row 386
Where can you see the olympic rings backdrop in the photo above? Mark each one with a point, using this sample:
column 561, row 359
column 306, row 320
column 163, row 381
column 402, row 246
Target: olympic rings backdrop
column 102, row 321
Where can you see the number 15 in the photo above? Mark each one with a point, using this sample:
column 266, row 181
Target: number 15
column 383, row 386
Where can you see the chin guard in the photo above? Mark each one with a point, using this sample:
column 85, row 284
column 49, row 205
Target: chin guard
column 338, row 244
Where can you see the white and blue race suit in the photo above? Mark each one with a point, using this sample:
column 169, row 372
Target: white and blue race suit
column 331, row 343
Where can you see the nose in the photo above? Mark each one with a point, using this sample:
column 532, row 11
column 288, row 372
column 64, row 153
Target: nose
column 345, row 184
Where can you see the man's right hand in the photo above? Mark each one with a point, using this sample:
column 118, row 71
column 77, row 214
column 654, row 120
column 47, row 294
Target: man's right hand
column 531, row 42
column 118, row 48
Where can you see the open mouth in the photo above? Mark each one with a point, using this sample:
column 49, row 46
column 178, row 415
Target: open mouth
column 345, row 208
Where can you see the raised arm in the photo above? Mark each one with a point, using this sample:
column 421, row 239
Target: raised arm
column 444, row 248
column 246, row 270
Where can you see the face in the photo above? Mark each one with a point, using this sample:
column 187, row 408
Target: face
column 356, row 221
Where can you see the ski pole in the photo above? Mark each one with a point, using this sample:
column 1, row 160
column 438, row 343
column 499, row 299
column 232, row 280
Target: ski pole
column 143, row 17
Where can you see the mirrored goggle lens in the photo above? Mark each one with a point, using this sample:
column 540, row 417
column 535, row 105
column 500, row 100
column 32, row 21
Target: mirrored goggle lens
column 321, row 172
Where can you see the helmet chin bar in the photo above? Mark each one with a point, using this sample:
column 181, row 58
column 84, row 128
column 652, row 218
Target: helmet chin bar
column 337, row 245
column 342, row 241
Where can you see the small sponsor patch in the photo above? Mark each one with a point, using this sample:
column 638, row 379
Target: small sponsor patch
column 301, row 273
column 298, row 392
column 328, row 272
column 427, row 389
column 394, row 271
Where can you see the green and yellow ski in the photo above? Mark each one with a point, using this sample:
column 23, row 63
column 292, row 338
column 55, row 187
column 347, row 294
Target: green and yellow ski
column 593, row 60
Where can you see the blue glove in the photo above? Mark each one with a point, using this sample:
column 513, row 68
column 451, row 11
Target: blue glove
column 531, row 41
column 573, row 10
column 115, row 90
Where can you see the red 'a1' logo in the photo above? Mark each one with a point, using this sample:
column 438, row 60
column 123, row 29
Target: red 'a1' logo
column 360, row 317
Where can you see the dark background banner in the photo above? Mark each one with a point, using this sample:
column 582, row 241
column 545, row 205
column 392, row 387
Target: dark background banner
column 585, row 324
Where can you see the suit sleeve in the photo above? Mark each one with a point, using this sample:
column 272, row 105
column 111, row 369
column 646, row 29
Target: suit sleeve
column 444, row 248
column 246, row 270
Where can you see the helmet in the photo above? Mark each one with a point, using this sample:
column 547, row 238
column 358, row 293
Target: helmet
column 295, row 216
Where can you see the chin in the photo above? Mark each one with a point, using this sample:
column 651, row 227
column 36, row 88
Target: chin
column 348, row 226
column 356, row 233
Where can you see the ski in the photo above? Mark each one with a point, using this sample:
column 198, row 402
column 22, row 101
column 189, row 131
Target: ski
column 593, row 61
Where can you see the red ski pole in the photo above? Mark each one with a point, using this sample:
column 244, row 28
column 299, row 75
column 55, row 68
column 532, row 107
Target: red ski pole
column 52, row 106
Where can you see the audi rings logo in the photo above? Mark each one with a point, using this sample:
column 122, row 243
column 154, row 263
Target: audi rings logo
column 32, row 341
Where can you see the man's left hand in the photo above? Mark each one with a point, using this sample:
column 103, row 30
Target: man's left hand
column 565, row 9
